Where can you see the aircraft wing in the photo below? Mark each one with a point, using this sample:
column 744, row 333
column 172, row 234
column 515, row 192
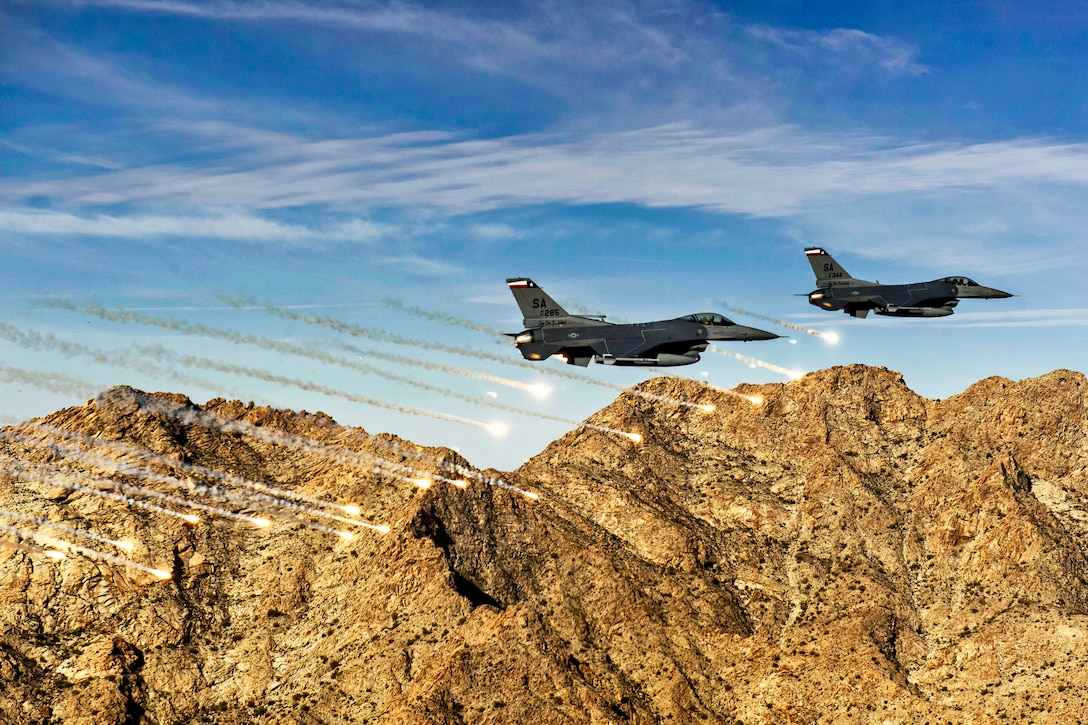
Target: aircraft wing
column 652, row 349
column 629, row 347
column 622, row 347
column 861, row 308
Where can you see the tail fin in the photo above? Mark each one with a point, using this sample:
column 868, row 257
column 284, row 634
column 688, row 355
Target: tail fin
column 537, row 306
column 830, row 273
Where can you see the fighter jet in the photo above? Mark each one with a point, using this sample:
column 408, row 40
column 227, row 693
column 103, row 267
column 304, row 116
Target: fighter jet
column 856, row 297
column 579, row 339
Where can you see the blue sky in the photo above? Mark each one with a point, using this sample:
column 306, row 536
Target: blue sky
column 639, row 159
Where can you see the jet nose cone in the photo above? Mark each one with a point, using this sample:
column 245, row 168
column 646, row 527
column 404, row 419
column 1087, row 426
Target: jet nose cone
column 752, row 333
column 990, row 293
column 980, row 292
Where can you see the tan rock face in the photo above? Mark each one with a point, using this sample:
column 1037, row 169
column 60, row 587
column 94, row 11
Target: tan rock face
column 845, row 552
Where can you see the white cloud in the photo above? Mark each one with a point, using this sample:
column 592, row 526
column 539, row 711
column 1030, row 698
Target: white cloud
column 774, row 172
column 230, row 226
column 425, row 266
column 607, row 63
column 493, row 232
column 32, row 59
column 844, row 46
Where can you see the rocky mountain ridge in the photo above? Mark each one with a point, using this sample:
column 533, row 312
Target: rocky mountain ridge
column 847, row 551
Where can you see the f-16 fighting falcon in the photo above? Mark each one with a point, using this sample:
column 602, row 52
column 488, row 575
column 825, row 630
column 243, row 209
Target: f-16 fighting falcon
column 856, row 297
column 578, row 339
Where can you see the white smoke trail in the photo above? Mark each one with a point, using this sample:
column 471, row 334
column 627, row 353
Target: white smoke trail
column 209, row 473
column 31, row 340
column 191, row 328
column 270, row 377
column 755, row 362
column 335, row 453
column 53, row 477
column 637, row 438
column 66, row 547
column 442, row 317
column 306, row 385
column 830, row 337
column 147, row 505
column 38, row 342
column 34, row 340
column 140, row 471
column 669, row 399
column 62, row 384
column 113, row 490
column 383, row 336
column 166, row 356
column 260, row 496
column 46, row 524
column 315, row 387
column 21, row 536
column 531, row 388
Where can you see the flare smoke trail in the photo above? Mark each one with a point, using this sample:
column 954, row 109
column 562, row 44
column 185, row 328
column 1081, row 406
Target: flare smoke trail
column 791, row 374
column 231, row 369
column 387, row 337
column 390, row 338
column 145, row 472
column 753, row 399
column 370, row 333
column 637, row 438
column 20, row 545
column 71, row 451
column 830, row 337
column 37, row 342
column 313, row 387
column 438, row 367
column 22, row 536
column 442, row 317
column 46, row 524
column 190, row 328
column 31, row 340
column 469, row 324
column 197, row 329
column 65, row 547
column 62, row 384
column 278, row 494
column 68, row 547
column 335, row 453
column 114, row 490
column 262, row 497
column 667, row 399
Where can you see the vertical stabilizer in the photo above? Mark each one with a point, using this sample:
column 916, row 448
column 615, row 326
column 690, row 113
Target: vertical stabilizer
column 537, row 306
column 830, row 273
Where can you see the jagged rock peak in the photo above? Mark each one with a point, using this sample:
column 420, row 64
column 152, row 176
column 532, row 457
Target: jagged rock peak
column 832, row 549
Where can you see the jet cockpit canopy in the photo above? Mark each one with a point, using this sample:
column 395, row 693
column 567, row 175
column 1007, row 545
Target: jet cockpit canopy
column 960, row 281
column 709, row 318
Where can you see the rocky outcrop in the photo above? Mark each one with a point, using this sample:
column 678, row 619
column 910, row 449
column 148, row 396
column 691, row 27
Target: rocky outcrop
column 845, row 551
